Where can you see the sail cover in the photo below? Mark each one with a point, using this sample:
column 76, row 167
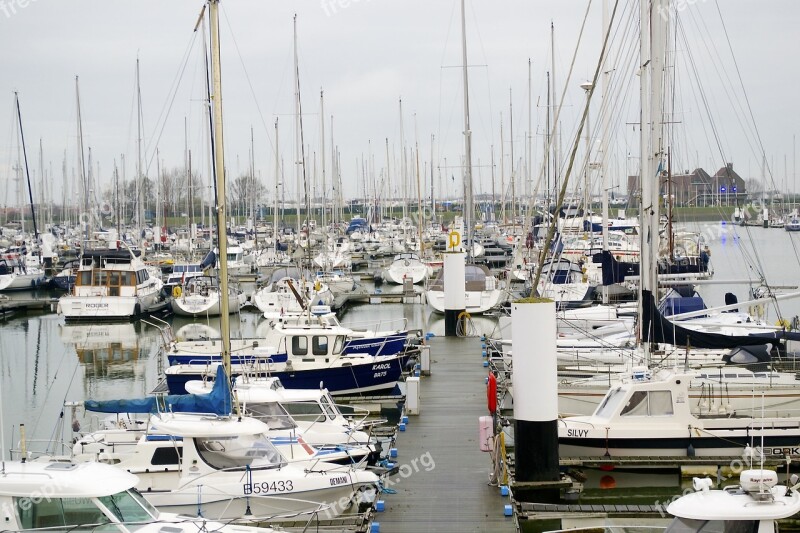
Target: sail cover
column 218, row 401
column 656, row 328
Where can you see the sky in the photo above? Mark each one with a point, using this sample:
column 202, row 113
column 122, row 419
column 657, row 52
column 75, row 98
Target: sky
column 734, row 96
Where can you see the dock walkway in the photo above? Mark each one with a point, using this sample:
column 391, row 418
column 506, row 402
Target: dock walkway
column 442, row 480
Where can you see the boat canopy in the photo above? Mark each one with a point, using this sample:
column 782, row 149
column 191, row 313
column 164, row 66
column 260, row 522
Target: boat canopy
column 218, row 401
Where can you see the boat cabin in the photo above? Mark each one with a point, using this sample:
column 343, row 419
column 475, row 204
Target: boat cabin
column 110, row 273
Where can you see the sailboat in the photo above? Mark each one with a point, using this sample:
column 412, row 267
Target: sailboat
column 483, row 291
column 19, row 268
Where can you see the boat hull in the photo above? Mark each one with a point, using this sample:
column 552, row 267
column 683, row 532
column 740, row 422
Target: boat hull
column 110, row 307
column 21, row 282
column 476, row 302
column 379, row 375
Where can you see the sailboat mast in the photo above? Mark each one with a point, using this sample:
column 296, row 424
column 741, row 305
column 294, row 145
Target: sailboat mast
column 528, row 183
column 27, row 171
column 139, row 165
column 502, row 173
column 297, row 142
column 513, row 163
column 81, row 165
column 277, row 193
column 219, row 165
column 652, row 51
column 467, row 137
column 322, row 153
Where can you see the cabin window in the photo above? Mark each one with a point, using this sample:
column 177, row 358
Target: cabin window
column 299, row 346
column 114, row 279
column 272, row 414
column 129, row 279
column 319, row 345
column 338, row 345
column 85, row 278
column 237, row 453
column 61, row 513
column 686, row 525
column 168, row 455
column 100, row 278
column 648, row 403
column 127, row 507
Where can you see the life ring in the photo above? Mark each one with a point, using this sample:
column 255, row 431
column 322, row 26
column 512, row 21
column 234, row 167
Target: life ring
column 177, row 291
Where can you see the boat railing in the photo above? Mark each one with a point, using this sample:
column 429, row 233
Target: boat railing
column 377, row 326
column 167, row 336
column 35, row 448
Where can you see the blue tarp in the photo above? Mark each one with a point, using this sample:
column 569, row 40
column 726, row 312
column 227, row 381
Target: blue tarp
column 218, row 401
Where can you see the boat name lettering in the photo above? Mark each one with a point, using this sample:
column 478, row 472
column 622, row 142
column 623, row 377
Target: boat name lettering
column 580, row 433
column 339, row 480
column 266, row 487
column 382, row 366
column 96, row 306
column 783, row 451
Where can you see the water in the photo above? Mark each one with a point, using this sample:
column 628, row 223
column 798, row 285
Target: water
column 752, row 253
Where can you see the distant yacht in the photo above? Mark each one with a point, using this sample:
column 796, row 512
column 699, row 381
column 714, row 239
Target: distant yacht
column 112, row 284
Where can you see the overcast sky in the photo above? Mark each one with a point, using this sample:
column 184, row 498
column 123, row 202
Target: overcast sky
column 366, row 55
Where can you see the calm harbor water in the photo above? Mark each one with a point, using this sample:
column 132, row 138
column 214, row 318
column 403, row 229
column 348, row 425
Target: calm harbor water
column 44, row 362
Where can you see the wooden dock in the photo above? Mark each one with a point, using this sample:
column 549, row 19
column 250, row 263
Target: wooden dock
column 442, row 482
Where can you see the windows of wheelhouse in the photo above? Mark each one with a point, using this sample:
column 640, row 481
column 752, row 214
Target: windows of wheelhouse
column 319, row 345
column 300, row 345
column 113, row 279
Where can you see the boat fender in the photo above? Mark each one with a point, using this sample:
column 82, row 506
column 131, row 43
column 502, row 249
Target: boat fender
column 177, row 291
column 491, row 393
column 137, row 310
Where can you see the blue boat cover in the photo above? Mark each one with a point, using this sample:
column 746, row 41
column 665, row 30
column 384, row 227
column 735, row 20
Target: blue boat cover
column 218, row 401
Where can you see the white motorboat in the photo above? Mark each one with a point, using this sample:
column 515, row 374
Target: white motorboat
column 41, row 496
column 112, row 284
column 726, row 390
column 406, row 266
column 483, row 291
column 200, row 296
column 653, row 417
column 224, row 469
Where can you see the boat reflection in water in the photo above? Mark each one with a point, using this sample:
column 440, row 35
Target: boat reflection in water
column 105, row 349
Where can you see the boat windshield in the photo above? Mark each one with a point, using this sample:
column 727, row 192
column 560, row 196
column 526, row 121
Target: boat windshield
column 272, row 414
column 238, row 453
column 686, row 525
column 609, row 404
column 130, row 507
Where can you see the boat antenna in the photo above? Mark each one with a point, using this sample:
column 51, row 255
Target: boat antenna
column 27, row 171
